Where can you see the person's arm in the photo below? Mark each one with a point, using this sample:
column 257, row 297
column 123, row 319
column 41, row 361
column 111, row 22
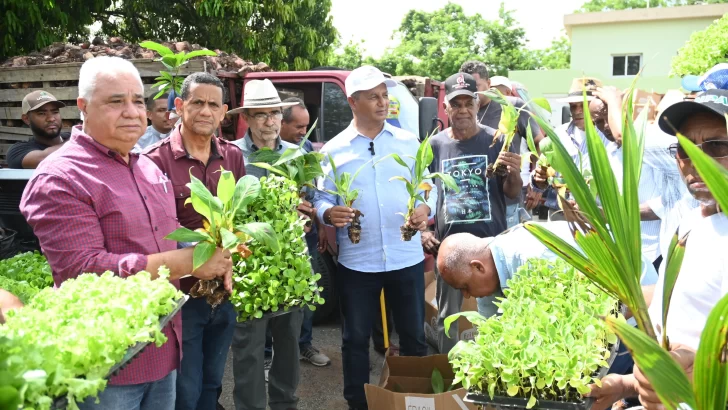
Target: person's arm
column 50, row 202
column 614, row 387
column 647, row 214
column 27, row 156
column 612, row 97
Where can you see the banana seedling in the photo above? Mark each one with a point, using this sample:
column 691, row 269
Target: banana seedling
column 507, row 128
column 219, row 229
column 417, row 185
column 343, row 183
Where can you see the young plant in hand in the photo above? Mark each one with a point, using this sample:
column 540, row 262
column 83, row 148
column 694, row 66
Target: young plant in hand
column 343, row 183
column 506, row 130
column 419, row 183
column 219, row 229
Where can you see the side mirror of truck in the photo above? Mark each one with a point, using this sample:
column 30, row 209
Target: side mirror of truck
column 565, row 114
column 428, row 116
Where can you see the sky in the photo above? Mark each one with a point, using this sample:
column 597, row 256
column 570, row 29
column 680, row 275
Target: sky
column 375, row 20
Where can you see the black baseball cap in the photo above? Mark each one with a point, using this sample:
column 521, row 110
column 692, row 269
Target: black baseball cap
column 460, row 84
column 672, row 118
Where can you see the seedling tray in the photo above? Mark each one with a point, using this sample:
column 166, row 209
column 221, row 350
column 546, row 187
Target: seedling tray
column 131, row 353
column 518, row 403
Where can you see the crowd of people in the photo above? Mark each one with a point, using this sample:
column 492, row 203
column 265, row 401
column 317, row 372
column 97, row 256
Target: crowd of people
column 116, row 187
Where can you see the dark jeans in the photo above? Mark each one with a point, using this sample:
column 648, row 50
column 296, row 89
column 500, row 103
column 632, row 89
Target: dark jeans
column 359, row 297
column 206, row 337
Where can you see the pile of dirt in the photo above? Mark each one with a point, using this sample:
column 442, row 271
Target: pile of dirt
column 58, row 53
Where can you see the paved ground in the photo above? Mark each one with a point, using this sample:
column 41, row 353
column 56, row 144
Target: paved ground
column 321, row 388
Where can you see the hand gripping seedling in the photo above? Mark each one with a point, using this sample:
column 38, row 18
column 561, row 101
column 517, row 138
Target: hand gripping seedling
column 343, row 183
column 219, row 230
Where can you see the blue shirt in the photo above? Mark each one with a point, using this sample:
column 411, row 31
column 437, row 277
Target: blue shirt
column 380, row 248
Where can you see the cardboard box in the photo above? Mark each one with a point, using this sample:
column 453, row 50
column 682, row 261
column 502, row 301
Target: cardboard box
column 405, row 384
column 644, row 100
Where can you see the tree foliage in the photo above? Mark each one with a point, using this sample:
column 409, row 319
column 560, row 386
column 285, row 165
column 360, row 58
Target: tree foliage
column 287, row 35
column 349, row 56
column 556, row 57
column 703, row 50
column 435, row 44
column 28, row 25
column 609, row 5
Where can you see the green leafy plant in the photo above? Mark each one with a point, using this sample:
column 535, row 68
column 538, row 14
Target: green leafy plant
column 506, row 129
column 701, row 52
column 25, row 274
column 66, row 340
column 609, row 236
column 171, row 80
column 219, row 228
column 417, row 185
column 549, row 342
column 343, row 183
column 295, row 164
column 438, row 383
column 273, row 279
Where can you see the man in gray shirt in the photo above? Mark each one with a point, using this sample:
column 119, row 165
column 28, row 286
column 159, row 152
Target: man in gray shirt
column 262, row 110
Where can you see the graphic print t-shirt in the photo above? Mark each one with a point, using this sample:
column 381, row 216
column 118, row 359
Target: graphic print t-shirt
column 479, row 207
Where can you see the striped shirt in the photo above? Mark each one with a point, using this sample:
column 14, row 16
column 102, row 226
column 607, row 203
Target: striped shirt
column 93, row 212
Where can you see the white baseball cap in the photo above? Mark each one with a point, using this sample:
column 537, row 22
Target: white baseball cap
column 500, row 80
column 365, row 78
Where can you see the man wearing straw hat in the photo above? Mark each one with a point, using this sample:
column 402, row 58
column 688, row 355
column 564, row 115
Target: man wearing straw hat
column 263, row 111
column 572, row 136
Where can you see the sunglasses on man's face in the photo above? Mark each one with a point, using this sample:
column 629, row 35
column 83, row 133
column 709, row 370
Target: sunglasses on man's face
column 714, row 148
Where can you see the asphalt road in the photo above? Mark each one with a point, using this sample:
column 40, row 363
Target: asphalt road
column 321, row 388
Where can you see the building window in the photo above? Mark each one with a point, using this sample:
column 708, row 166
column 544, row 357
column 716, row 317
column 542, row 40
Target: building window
column 626, row 64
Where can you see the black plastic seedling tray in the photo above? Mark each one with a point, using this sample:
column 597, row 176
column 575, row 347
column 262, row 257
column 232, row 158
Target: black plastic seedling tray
column 133, row 352
column 517, row 403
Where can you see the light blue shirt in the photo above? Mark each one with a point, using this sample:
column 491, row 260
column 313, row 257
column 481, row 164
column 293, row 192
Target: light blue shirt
column 151, row 136
column 380, row 248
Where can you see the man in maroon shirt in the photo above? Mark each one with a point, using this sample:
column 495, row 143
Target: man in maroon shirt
column 99, row 207
column 192, row 147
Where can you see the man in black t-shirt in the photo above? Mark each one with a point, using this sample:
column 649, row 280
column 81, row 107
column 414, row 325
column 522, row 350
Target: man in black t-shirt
column 464, row 151
column 489, row 115
column 41, row 112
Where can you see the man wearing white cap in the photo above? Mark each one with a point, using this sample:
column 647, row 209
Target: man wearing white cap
column 381, row 260
column 263, row 111
column 503, row 84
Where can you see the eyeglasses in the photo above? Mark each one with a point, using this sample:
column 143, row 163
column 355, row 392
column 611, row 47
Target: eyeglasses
column 715, row 149
column 262, row 116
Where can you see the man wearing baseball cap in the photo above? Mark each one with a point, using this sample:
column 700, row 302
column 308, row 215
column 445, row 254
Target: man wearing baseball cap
column 381, row 260
column 41, row 112
column 464, row 151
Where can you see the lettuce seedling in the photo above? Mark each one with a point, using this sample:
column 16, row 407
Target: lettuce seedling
column 343, row 183
column 548, row 343
column 219, row 229
column 419, row 182
column 274, row 279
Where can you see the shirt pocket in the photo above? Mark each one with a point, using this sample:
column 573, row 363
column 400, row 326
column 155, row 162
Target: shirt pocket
column 164, row 199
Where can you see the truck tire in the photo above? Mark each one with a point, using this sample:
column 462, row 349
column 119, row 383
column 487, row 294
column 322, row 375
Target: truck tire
column 325, row 265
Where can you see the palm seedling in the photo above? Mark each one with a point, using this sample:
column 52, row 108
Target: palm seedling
column 419, row 184
column 219, row 228
column 610, row 256
column 343, row 183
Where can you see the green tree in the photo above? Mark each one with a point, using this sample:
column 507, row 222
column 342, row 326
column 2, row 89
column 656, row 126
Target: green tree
column 28, row 25
column 436, row 44
column 292, row 34
column 556, row 57
column 608, row 5
column 349, row 56
column 703, row 50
